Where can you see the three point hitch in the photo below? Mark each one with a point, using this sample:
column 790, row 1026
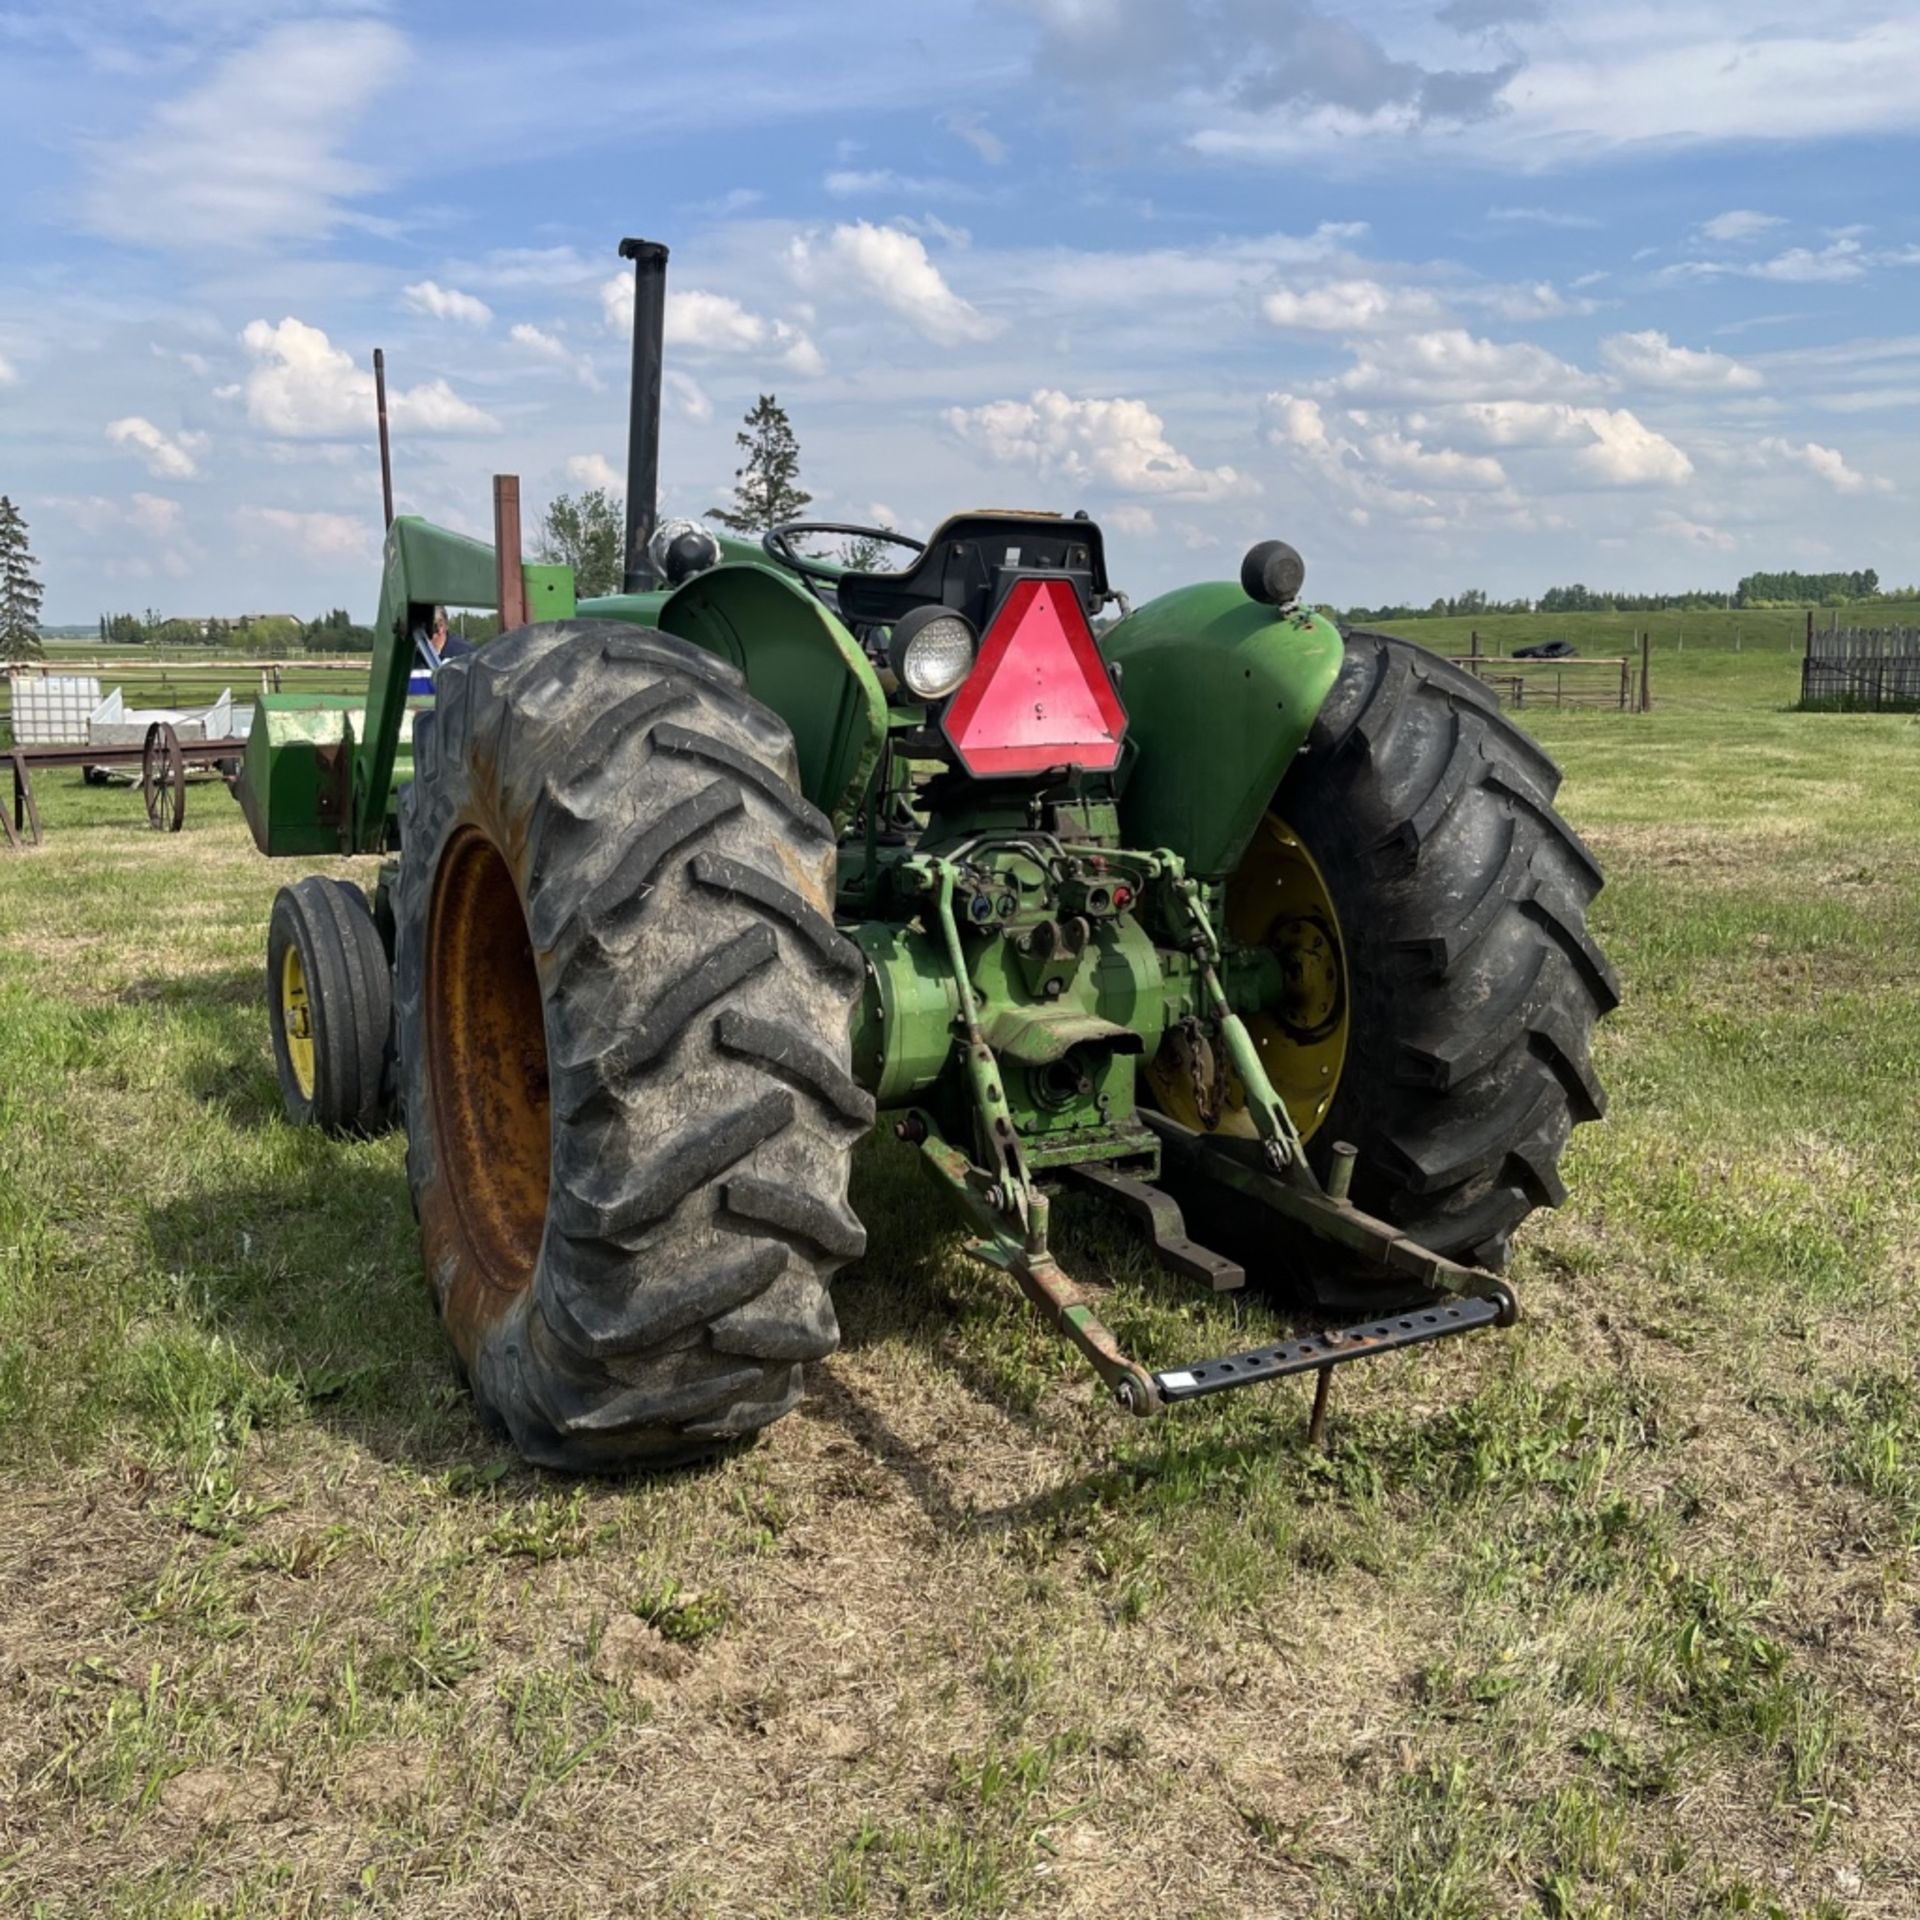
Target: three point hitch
column 1010, row 1214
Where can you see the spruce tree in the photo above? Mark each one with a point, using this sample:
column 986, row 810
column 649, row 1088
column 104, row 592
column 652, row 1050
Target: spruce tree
column 19, row 590
column 766, row 490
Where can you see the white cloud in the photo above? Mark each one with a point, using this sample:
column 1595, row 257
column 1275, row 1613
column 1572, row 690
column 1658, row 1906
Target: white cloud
column 154, row 515
column 1590, row 81
column 510, row 269
column 1384, row 471
column 848, row 183
column 446, row 303
column 1442, row 467
column 1541, row 217
column 688, row 394
column 166, row 459
column 988, row 145
column 316, row 536
column 1677, row 526
column 92, row 513
column 1117, row 443
column 1737, row 225
column 1825, row 463
column 544, row 344
column 1297, row 422
column 7, row 374
column 304, row 387
column 547, row 346
column 1136, row 522
column 890, row 266
column 1612, row 446
column 593, row 470
column 251, row 156
column 1538, row 300
column 715, row 323
column 1264, row 63
column 711, row 322
column 1803, row 265
column 1626, row 452
column 1842, row 259
column 1451, row 364
column 1351, row 306
column 1650, row 359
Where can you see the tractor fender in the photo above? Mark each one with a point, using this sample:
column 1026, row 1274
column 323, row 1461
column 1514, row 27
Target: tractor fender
column 1220, row 692
column 800, row 661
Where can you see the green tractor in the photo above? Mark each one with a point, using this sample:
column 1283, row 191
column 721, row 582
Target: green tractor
column 1243, row 924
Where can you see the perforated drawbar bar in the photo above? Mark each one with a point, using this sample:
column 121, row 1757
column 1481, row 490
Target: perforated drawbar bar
column 1328, row 1349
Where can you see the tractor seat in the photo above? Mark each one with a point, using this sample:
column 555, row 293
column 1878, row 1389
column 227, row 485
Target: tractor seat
column 971, row 561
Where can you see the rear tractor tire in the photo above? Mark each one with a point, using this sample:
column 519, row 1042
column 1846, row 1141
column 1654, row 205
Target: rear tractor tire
column 1430, row 908
column 623, row 1018
column 329, row 1005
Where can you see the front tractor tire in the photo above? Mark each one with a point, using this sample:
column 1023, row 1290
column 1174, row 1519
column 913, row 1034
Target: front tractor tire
column 329, row 1007
column 623, row 1022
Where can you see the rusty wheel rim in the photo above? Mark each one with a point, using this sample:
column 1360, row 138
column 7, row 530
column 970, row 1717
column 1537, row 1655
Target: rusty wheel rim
column 486, row 1061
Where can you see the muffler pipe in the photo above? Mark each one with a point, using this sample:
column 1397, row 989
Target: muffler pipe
column 649, row 259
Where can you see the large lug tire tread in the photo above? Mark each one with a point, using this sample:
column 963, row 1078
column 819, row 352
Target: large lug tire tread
column 1462, row 897
column 697, row 1004
column 349, row 993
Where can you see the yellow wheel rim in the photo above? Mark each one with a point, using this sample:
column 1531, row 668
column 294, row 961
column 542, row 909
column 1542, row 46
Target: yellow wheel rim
column 1277, row 899
column 296, row 1020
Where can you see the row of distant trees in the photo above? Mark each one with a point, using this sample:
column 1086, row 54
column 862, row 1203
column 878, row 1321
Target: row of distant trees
column 1782, row 589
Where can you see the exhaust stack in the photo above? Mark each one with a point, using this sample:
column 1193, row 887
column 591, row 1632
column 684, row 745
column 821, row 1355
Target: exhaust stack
column 649, row 259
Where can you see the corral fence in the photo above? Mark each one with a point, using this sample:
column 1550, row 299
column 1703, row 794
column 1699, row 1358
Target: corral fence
column 150, row 681
column 1556, row 683
column 1863, row 668
column 1611, row 683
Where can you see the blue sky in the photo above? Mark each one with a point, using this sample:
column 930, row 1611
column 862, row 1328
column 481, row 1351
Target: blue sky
column 1499, row 292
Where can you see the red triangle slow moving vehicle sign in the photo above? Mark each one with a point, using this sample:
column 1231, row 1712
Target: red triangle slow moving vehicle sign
column 1039, row 696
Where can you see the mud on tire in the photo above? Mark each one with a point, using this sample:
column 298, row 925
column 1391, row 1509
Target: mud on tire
column 623, row 1019
column 1462, row 898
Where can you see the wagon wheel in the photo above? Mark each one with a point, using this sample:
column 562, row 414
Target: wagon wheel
column 163, row 778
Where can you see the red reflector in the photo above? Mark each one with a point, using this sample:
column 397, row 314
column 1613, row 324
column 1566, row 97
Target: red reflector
column 1038, row 695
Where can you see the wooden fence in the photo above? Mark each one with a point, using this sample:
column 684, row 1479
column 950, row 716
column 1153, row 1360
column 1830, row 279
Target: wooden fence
column 1572, row 682
column 1864, row 667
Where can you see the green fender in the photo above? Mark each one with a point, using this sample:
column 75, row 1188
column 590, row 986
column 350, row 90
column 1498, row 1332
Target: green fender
column 1220, row 694
column 800, row 661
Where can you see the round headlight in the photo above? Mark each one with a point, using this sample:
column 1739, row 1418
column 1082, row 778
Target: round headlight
column 931, row 652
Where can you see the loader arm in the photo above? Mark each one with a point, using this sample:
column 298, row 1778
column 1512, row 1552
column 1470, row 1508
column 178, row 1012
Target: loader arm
column 425, row 566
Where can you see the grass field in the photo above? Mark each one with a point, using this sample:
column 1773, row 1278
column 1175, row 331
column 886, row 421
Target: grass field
column 1611, row 1615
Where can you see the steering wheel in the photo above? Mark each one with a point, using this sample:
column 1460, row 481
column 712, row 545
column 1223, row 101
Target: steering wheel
column 779, row 540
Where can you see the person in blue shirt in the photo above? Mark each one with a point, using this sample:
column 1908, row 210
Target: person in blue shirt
column 446, row 644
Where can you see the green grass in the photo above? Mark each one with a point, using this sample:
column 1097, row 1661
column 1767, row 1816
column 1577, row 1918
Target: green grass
column 1608, row 1616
